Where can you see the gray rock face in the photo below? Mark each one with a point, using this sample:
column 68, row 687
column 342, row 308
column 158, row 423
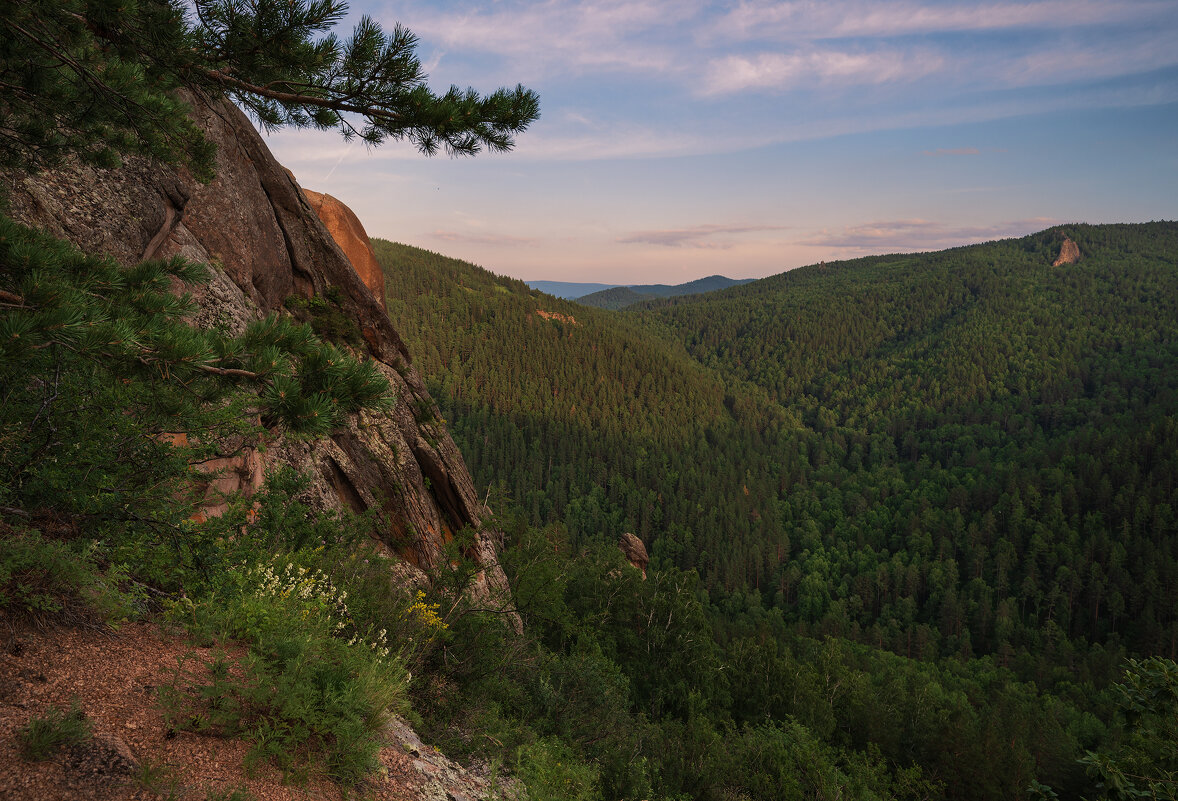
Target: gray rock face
column 253, row 225
column 441, row 779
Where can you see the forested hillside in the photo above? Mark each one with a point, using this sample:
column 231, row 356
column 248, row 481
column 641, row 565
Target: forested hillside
column 968, row 452
column 966, row 458
column 996, row 438
column 620, row 297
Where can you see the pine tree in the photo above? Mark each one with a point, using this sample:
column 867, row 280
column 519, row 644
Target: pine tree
column 99, row 77
column 107, row 394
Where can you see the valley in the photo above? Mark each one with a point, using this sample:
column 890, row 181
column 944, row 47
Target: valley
column 289, row 512
column 963, row 459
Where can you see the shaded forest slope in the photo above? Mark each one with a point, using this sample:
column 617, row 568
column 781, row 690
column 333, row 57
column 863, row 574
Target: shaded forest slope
column 621, row 297
column 985, row 462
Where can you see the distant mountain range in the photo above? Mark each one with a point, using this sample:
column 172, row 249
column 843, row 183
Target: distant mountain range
column 623, row 296
column 566, row 289
column 617, row 296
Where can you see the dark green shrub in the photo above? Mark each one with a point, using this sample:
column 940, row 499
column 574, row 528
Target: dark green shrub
column 40, row 577
column 551, row 772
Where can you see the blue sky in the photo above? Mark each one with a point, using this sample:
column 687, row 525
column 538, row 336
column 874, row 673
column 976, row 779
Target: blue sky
column 682, row 139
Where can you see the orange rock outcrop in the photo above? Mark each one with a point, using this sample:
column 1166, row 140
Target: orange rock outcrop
column 1069, row 253
column 347, row 231
column 564, row 318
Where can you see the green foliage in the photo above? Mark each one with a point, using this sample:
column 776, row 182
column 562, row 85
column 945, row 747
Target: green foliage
column 928, row 500
column 481, row 342
column 312, row 685
column 109, row 396
column 98, row 79
column 551, row 772
column 1143, row 760
column 95, row 79
column 613, row 697
column 326, row 641
column 41, row 577
column 42, row 736
column 979, row 463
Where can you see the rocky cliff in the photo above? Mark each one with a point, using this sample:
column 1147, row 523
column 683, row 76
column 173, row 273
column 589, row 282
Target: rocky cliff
column 1069, row 253
column 265, row 244
column 348, row 232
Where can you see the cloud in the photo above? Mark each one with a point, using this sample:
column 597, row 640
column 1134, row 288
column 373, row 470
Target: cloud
column 540, row 39
column 780, row 71
column 944, row 71
column 761, row 20
column 917, row 234
column 953, row 151
column 1140, row 52
column 637, row 79
column 695, row 236
column 497, row 240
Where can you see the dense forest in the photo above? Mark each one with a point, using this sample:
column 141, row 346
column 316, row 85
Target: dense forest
column 965, row 458
column 619, row 297
column 700, row 680
column 911, row 518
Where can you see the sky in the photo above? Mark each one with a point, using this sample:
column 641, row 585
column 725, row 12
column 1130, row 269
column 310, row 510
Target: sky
column 680, row 139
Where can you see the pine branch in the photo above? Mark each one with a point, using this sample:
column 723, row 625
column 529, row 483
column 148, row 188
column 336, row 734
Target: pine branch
column 304, row 100
column 229, row 371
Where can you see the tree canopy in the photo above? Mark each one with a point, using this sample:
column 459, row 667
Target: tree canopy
column 99, row 77
column 929, row 497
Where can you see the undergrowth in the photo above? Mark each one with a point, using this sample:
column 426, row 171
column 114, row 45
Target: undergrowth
column 42, row 578
column 326, row 641
column 43, row 735
column 310, row 684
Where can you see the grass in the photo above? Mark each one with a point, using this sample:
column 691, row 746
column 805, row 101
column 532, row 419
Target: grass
column 230, row 794
column 41, row 737
column 161, row 779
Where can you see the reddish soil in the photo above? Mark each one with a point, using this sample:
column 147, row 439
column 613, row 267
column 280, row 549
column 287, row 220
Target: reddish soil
column 114, row 676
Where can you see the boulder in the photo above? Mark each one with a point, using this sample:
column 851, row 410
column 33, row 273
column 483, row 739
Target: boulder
column 347, row 231
column 634, row 551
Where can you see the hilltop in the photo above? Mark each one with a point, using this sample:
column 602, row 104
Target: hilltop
column 616, row 296
column 622, row 297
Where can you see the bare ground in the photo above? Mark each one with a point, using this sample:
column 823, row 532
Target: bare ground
column 134, row 755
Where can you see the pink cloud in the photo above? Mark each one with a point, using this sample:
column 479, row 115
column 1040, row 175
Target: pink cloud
column 909, row 235
column 484, row 239
column 695, row 236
